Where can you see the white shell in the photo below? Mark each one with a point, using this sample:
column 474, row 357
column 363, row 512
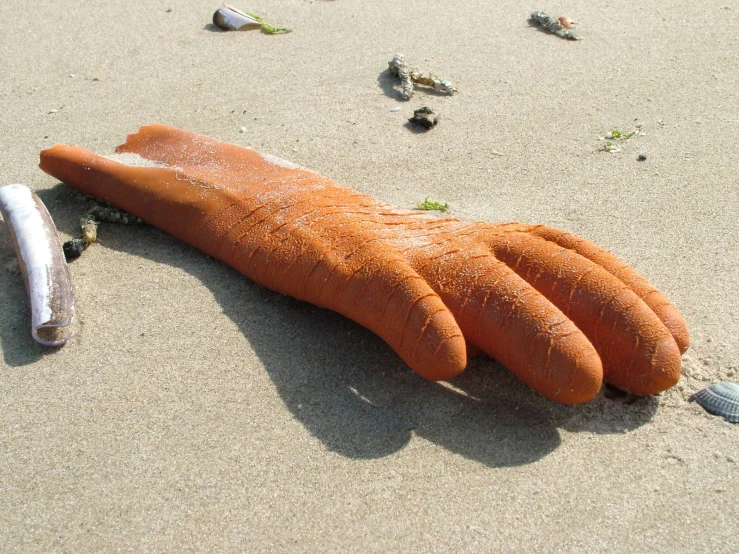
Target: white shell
column 42, row 261
column 229, row 18
column 721, row 399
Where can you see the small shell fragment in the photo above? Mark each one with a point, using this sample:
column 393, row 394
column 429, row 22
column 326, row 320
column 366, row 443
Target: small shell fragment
column 566, row 22
column 229, row 18
column 89, row 229
column 721, row 399
column 42, row 263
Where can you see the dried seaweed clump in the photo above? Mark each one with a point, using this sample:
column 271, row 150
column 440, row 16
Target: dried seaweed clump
column 89, row 224
column 554, row 25
column 408, row 77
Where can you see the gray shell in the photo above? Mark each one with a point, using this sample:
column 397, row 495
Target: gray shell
column 721, row 399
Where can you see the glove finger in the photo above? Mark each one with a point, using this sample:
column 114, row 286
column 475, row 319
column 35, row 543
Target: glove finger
column 512, row 322
column 638, row 352
column 657, row 301
column 358, row 276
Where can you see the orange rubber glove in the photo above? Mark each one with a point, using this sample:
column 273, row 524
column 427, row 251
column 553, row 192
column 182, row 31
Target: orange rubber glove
column 556, row 310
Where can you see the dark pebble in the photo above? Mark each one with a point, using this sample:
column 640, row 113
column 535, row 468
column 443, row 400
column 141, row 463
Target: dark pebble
column 642, row 157
column 73, row 248
column 425, row 117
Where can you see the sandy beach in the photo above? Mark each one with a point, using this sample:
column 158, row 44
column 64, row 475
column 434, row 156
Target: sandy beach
column 197, row 411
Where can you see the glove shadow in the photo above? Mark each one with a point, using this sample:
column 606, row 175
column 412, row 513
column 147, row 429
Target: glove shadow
column 353, row 393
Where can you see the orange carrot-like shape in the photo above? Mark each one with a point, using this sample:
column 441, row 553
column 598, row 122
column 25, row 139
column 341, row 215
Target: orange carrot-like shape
column 428, row 287
column 639, row 354
column 657, row 301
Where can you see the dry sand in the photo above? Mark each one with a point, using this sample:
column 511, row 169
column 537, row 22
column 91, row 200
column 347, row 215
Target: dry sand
column 198, row 411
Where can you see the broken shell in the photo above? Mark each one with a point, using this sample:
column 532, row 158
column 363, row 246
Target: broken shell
column 42, row 262
column 229, row 18
column 721, row 399
column 566, row 22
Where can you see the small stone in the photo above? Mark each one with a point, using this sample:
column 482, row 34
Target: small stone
column 425, row 117
column 642, row 157
column 73, row 248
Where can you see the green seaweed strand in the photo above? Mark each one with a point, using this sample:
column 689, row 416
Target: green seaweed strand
column 267, row 28
column 431, row 205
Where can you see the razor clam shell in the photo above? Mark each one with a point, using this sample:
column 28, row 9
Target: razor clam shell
column 229, row 18
column 721, row 399
column 45, row 271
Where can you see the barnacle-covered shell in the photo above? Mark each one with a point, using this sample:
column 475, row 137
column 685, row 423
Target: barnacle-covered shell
column 721, row 399
column 229, row 18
